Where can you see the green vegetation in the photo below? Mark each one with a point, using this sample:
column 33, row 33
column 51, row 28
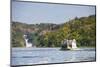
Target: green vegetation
column 50, row 35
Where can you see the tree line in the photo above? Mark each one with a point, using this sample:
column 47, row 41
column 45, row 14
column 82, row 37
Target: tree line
column 50, row 35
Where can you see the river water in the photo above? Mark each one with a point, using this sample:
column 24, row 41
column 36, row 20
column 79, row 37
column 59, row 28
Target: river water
column 31, row 56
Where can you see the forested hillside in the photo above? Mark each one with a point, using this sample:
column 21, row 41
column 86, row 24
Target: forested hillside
column 50, row 35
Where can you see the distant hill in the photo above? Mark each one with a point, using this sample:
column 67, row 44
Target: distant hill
column 18, row 29
column 50, row 35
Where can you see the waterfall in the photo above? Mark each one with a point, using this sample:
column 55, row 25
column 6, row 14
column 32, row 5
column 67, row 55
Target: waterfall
column 74, row 44
column 28, row 41
column 69, row 44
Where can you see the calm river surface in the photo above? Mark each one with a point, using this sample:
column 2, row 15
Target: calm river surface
column 31, row 56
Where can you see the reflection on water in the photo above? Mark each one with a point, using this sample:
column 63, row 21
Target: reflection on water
column 28, row 56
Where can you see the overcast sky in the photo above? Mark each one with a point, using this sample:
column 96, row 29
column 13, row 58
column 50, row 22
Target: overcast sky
column 33, row 13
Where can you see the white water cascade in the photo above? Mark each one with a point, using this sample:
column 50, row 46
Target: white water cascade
column 71, row 44
column 28, row 44
column 74, row 44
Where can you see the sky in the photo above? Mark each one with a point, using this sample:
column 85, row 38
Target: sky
column 35, row 13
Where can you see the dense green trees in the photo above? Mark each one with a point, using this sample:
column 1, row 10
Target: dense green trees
column 85, row 29
column 50, row 35
column 82, row 29
column 17, row 39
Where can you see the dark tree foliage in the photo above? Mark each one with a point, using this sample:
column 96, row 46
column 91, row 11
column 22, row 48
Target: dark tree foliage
column 50, row 35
